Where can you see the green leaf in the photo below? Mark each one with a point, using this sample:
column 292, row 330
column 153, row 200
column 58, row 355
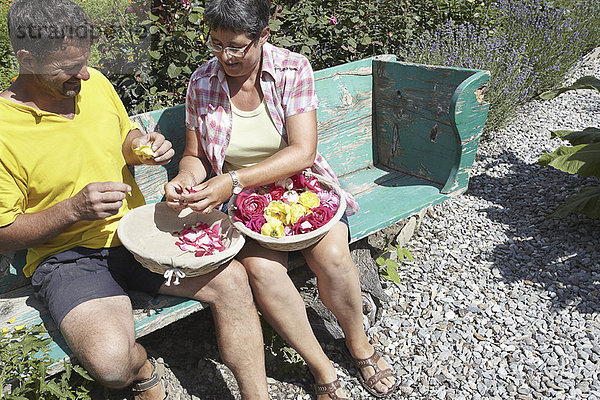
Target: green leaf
column 408, row 255
column 392, row 263
column 352, row 42
column 191, row 35
column 586, row 82
column 366, row 40
column 173, row 71
column 392, row 274
column 153, row 29
column 55, row 389
column 583, row 159
column 588, row 135
column 82, row 372
column 586, row 202
column 400, row 253
column 380, row 261
column 155, row 54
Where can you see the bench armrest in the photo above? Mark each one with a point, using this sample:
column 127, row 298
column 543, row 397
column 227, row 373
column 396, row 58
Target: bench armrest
column 468, row 113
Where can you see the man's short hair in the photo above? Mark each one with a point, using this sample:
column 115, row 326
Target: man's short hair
column 43, row 26
column 239, row 16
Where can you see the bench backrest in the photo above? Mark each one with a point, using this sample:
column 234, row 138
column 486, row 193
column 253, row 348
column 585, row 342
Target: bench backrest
column 420, row 120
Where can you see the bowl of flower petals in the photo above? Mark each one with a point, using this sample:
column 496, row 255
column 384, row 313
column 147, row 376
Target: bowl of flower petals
column 178, row 244
column 289, row 215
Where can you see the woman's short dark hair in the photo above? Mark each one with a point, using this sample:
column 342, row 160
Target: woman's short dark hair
column 43, row 26
column 239, row 16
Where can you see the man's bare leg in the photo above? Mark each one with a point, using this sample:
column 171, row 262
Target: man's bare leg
column 101, row 334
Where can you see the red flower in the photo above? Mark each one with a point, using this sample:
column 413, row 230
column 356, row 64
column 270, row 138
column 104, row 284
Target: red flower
column 250, row 206
column 319, row 217
column 276, row 192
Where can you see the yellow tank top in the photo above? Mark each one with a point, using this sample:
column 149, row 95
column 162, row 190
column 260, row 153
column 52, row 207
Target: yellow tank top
column 254, row 138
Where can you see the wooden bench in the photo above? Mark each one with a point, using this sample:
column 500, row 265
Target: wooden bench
column 401, row 137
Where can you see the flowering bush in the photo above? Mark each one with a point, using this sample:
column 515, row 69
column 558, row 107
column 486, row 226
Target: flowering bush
column 527, row 46
column 293, row 206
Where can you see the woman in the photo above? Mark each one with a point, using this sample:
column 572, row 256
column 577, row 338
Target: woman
column 251, row 120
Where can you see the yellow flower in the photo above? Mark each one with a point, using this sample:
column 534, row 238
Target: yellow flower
column 19, row 327
column 309, row 200
column 4, row 330
column 278, row 210
column 145, row 151
column 273, row 227
column 297, row 211
column 12, row 320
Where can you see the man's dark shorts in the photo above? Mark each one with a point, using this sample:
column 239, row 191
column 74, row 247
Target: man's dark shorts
column 67, row 279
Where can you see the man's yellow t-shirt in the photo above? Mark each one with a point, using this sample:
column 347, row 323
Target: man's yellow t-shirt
column 46, row 158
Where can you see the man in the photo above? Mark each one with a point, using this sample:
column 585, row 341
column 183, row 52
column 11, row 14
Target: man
column 65, row 141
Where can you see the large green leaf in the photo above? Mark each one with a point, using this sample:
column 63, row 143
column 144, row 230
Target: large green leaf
column 588, row 135
column 583, row 159
column 586, row 82
column 586, row 202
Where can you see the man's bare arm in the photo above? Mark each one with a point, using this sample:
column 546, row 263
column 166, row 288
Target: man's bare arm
column 96, row 201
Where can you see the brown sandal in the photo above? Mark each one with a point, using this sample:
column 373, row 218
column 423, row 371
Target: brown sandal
column 329, row 389
column 369, row 384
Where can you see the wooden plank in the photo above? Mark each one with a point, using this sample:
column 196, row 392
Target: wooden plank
column 386, row 197
column 171, row 123
column 345, row 115
column 149, row 314
column 414, row 129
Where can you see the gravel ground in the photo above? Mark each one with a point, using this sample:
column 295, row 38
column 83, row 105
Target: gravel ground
column 500, row 302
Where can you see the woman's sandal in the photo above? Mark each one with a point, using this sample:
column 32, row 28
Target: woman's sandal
column 369, row 384
column 329, row 389
column 155, row 378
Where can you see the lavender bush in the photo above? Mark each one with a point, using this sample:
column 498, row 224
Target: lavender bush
column 527, row 46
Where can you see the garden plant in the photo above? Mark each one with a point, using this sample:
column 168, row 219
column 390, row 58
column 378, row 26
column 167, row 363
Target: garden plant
column 582, row 157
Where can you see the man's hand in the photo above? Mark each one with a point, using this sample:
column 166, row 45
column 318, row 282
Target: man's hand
column 162, row 148
column 99, row 200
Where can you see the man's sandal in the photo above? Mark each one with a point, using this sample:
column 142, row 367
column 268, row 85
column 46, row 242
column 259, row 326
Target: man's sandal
column 369, row 384
column 329, row 389
column 155, row 378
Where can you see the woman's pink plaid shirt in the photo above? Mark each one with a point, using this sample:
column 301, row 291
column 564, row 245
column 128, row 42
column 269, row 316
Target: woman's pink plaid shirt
column 287, row 84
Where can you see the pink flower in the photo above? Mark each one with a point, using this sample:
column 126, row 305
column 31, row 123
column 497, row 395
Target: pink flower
column 291, row 196
column 329, row 199
column 250, row 206
column 256, row 223
column 333, row 20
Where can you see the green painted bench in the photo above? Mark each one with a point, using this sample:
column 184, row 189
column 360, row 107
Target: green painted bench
column 401, row 137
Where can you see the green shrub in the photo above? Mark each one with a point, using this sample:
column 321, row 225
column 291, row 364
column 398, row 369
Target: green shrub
column 23, row 362
column 8, row 63
column 582, row 157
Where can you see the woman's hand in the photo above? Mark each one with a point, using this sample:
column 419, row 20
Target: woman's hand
column 210, row 194
column 177, row 188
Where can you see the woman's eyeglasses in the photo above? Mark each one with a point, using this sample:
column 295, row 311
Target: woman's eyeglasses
column 237, row 52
